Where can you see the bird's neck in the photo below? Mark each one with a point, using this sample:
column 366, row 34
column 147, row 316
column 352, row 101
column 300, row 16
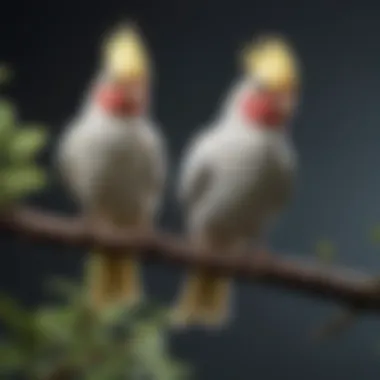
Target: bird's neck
column 93, row 111
column 113, row 101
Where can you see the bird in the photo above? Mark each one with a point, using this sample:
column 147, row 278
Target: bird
column 112, row 156
column 238, row 174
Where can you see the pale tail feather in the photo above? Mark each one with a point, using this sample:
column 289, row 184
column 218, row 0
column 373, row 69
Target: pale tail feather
column 113, row 279
column 205, row 300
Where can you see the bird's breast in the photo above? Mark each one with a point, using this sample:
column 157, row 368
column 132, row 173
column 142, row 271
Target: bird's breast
column 109, row 167
column 252, row 177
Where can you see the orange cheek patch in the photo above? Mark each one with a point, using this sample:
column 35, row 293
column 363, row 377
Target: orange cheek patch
column 115, row 100
column 263, row 109
column 111, row 99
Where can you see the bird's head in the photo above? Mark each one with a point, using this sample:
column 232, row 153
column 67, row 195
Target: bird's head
column 124, row 88
column 272, row 72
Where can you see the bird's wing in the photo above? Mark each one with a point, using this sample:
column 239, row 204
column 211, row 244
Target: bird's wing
column 64, row 154
column 66, row 158
column 156, row 168
column 196, row 170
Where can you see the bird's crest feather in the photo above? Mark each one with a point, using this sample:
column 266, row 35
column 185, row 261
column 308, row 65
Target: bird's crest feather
column 125, row 54
column 272, row 60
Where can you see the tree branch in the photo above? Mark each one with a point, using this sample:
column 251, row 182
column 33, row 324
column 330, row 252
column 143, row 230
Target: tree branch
column 355, row 290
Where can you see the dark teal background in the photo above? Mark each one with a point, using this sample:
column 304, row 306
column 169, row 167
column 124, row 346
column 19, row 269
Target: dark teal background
column 53, row 48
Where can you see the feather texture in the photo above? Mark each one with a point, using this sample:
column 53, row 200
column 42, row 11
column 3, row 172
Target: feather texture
column 116, row 169
column 235, row 179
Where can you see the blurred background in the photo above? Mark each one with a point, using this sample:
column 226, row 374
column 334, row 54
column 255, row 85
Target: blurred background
column 53, row 49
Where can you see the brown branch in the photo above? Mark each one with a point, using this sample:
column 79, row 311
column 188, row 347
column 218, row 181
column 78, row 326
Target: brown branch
column 355, row 290
column 62, row 373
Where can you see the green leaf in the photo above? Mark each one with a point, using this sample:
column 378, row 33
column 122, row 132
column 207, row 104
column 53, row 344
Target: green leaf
column 11, row 313
column 12, row 359
column 116, row 366
column 375, row 235
column 18, row 182
column 180, row 370
column 119, row 343
column 326, row 251
column 7, row 119
column 151, row 312
column 54, row 322
column 150, row 340
column 5, row 74
column 168, row 370
column 65, row 288
column 18, row 322
column 26, row 144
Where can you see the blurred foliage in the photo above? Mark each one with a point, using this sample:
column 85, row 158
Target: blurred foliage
column 118, row 343
column 375, row 235
column 5, row 74
column 326, row 251
column 19, row 146
column 70, row 340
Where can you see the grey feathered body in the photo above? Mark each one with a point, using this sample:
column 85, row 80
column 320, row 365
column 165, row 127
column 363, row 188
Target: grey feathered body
column 115, row 167
column 235, row 179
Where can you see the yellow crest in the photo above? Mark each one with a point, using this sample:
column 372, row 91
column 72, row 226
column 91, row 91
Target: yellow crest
column 125, row 55
column 273, row 62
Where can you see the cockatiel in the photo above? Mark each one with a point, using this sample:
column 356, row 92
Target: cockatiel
column 238, row 174
column 113, row 158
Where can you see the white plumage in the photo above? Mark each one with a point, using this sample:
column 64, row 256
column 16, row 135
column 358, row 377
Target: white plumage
column 116, row 168
column 113, row 159
column 235, row 178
